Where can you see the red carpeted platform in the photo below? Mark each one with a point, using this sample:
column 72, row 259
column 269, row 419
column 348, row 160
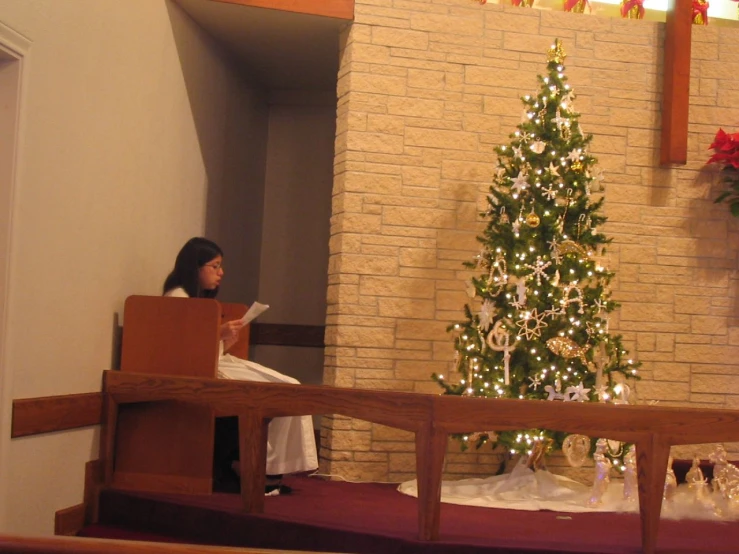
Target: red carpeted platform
column 334, row 516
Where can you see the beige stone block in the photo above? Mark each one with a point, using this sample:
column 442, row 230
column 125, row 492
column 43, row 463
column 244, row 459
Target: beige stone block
column 706, row 354
column 402, row 462
column 466, row 171
column 711, row 384
column 415, row 107
column 358, row 223
column 734, row 336
column 368, row 53
column 451, row 300
column 385, row 124
column 706, row 325
column 490, row 76
column 436, row 138
column 665, row 343
column 391, row 446
column 608, row 143
column 416, row 329
column 632, row 118
column 374, row 183
column 381, row 374
column 671, row 371
column 385, row 433
column 526, row 42
column 476, row 122
column 417, row 257
column 421, row 176
column 646, row 342
column 426, row 79
column 418, row 217
column 719, row 70
column 647, row 311
column 342, row 294
column 367, row 265
column 374, row 83
column 364, row 337
column 405, row 307
column 328, row 454
column 345, row 243
column 374, row 142
column 396, row 286
column 400, row 38
column 727, row 97
column 643, row 254
column 670, row 246
column 505, row 21
column 371, row 457
column 377, row 384
column 471, row 26
column 418, row 370
column 359, row 471
column 661, row 390
column 707, row 400
column 464, row 241
column 376, row 250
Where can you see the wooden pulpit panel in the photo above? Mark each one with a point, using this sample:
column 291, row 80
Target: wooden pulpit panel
column 171, row 336
column 167, row 447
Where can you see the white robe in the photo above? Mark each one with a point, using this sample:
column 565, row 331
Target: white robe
column 291, row 443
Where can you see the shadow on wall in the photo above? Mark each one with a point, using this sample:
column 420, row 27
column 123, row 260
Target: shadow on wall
column 231, row 118
column 714, row 229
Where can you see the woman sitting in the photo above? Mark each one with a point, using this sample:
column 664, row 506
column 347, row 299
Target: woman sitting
column 291, row 445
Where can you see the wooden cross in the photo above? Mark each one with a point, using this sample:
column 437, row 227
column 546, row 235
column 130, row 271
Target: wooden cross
column 676, row 83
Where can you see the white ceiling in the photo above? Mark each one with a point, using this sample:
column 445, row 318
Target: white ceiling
column 280, row 50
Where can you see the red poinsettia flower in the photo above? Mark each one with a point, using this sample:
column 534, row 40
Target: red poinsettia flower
column 726, row 149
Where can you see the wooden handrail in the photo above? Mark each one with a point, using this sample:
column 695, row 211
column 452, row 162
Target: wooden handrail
column 432, row 417
column 73, row 545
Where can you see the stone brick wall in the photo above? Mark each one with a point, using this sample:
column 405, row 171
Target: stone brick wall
column 426, row 90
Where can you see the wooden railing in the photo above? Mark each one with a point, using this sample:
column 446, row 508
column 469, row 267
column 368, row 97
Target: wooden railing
column 432, row 418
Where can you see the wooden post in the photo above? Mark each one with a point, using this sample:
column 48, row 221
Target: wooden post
column 431, row 446
column 676, row 83
column 253, row 459
column 652, row 454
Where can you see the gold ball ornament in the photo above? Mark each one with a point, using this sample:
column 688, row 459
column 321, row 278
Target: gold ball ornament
column 533, row 220
column 576, row 166
column 576, row 449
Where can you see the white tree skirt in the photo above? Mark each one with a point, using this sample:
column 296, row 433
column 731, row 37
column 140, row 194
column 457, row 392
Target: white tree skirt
column 524, row 489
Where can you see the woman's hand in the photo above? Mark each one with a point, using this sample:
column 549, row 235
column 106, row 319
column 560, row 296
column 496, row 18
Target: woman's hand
column 230, row 333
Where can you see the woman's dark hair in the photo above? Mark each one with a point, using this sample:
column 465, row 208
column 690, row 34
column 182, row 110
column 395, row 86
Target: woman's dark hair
column 195, row 254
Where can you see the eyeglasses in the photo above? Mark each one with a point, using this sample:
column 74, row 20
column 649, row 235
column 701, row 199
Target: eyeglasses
column 214, row 267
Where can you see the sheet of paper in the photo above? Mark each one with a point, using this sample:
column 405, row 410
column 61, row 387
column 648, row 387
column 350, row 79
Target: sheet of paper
column 254, row 311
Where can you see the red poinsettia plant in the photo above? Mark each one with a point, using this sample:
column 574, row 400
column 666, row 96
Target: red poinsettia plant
column 726, row 153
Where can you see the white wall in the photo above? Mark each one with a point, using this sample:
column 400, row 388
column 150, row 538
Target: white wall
column 119, row 154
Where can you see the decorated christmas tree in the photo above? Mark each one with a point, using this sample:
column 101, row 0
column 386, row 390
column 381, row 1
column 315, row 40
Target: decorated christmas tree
column 537, row 325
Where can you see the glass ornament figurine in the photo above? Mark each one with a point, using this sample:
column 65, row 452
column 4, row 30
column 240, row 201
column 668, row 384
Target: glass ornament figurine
column 631, row 486
column 602, row 473
column 670, row 482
